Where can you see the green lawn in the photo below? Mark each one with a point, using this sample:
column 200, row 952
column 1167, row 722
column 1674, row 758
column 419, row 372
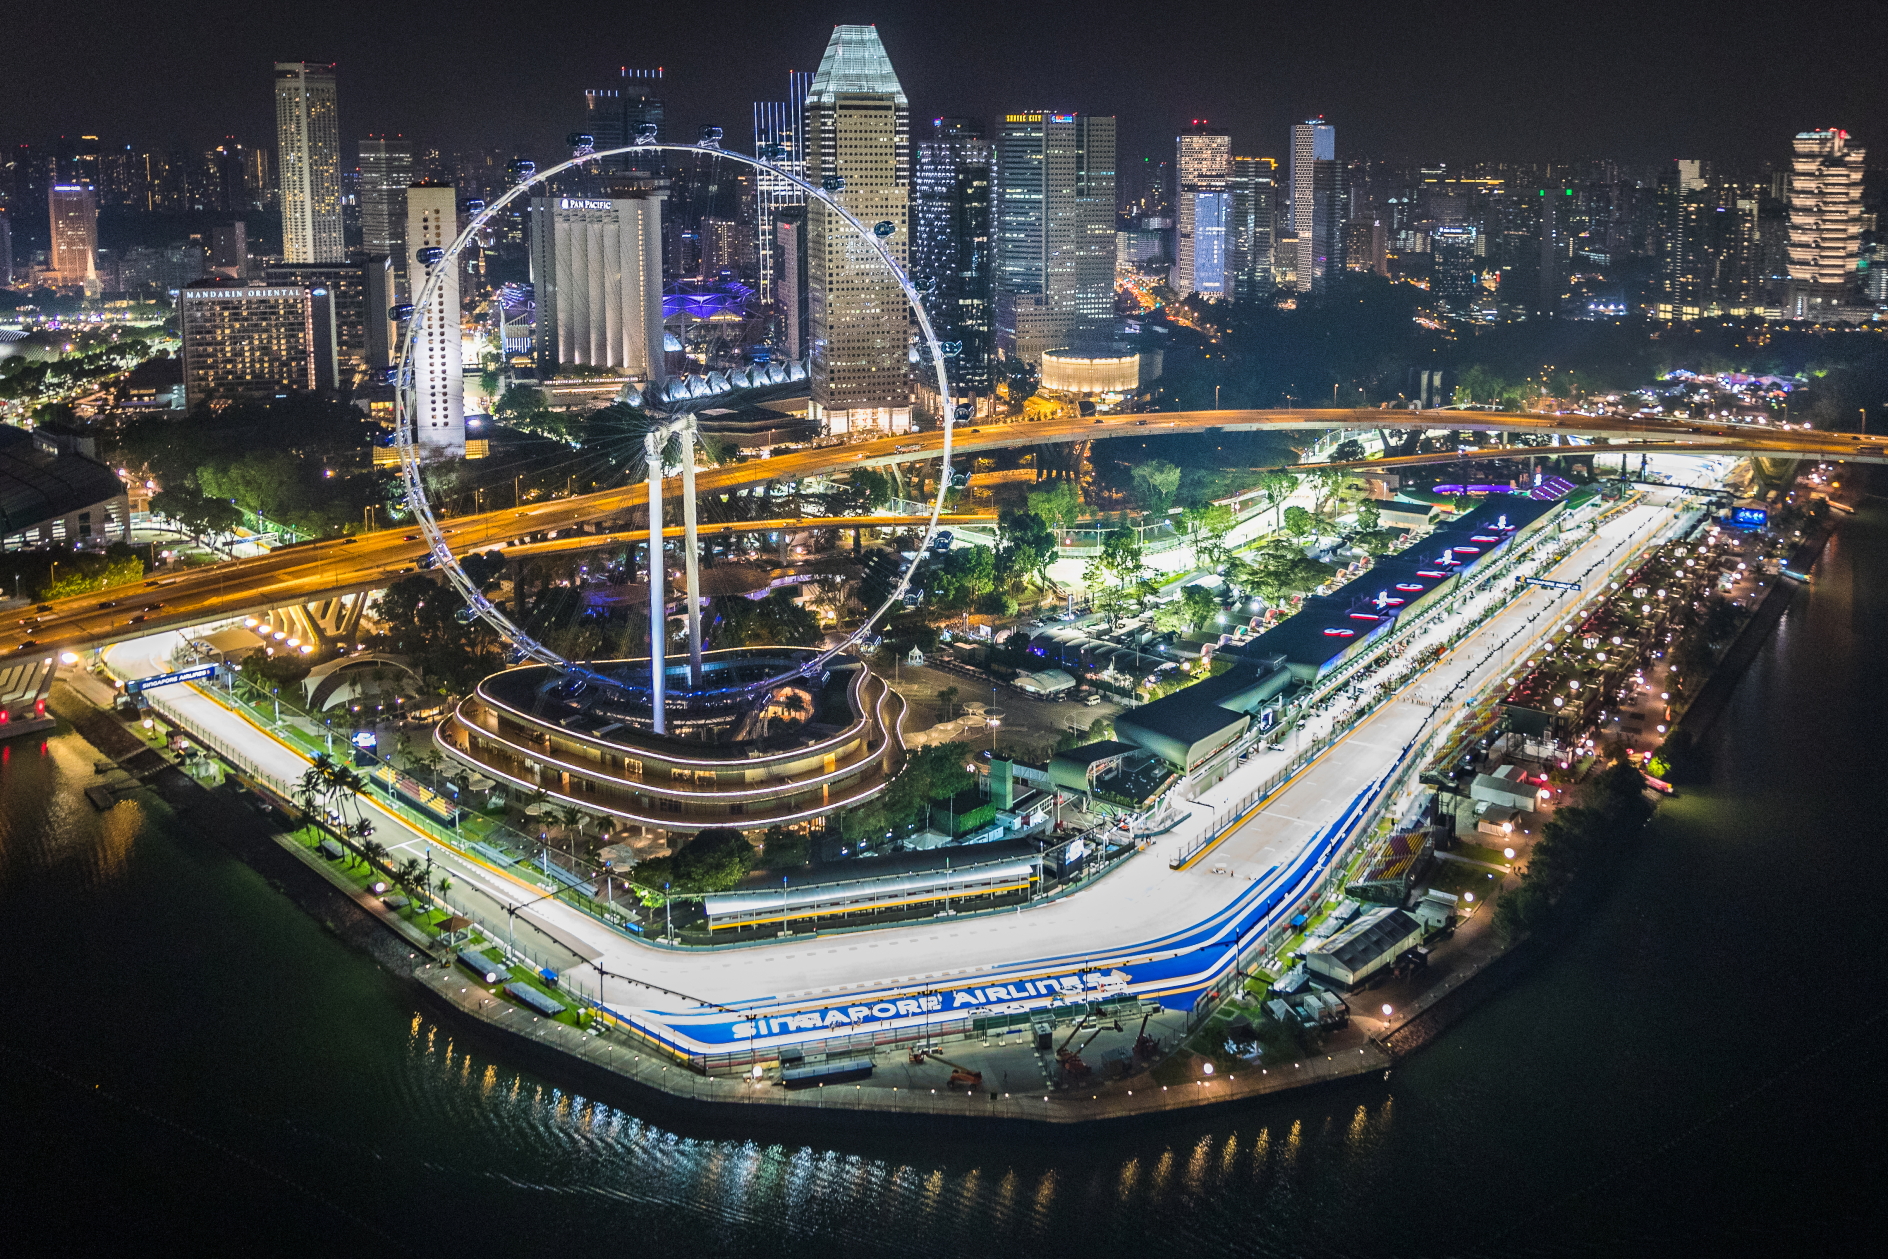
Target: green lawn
column 1453, row 876
column 1479, row 852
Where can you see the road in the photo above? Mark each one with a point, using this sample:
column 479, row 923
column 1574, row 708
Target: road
column 322, row 570
column 1157, row 932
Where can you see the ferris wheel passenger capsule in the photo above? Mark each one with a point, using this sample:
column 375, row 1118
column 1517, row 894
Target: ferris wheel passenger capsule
column 430, row 255
column 400, row 313
column 884, row 228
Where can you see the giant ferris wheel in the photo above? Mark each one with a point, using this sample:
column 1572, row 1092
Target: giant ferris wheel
column 665, row 430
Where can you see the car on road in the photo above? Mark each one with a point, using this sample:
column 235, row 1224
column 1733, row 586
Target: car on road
column 45, row 607
column 27, row 645
column 136, row 620
column 152, row 607
column 109, row 603
column 1143, row 424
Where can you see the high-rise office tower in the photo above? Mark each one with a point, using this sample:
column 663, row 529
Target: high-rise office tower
column 858, row 145
column 308, row 151
column 6, row 250
column 1253, row 232
column 1825, row 222
column 1312, row 194
column 1457, row 265
column 1054, row 233
column 432, row 221
column 246, row 341
column 386, row 172
column 951, row 249
column 74, row 256
column 613, row 116
column 779, row 138
column 1202, row 166
column 596, row 262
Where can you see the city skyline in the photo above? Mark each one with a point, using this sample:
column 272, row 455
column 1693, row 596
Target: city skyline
column 1635, row 103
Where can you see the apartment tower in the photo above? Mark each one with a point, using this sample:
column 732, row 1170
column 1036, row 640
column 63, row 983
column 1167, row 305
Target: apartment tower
column 308, row 162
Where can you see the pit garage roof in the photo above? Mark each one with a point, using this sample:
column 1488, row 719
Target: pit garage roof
column 38, row 483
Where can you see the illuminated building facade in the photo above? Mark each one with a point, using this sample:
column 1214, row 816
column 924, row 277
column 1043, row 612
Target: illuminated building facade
column 597, row 264
column 1203, row 165
column 1312, row 197
column 386, row 171
column 308, row 162
column 779, row 138
column 432, row 221
column 742, row 759
column 1825, row 222
column 952, row 250
column 1055, row 237
column 1253, row 233
column 74, row 256
column 858, row 146
column 246, row 341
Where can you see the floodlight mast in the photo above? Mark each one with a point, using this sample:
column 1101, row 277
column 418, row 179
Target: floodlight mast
column 524, row 646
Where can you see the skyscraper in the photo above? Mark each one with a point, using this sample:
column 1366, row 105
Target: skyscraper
column 1054, row 233
column 1457, row 273
column 432, row 221
column 6, row 250
column 779, row 138
column 1202, row 165
column 613, row 115
column 74, row 212
column 386, row 171
column 596, row 262
column 858, row 146
column 951, row 248
column 1251, row 236
column 308, row 152
column 1313, row 193
column 1825, row 222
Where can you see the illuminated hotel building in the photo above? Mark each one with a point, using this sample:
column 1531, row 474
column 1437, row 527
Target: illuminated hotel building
column 308, row 162
column 1055, row 240
column 1825, row 222
column 597, row 263
column 74, row 211
column 858, row 145
column 432, row 222
column 246, row 341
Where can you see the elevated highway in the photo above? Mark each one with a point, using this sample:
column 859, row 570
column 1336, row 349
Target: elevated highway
column 324, row 570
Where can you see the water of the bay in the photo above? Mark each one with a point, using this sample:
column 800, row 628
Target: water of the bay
column 188, row 1061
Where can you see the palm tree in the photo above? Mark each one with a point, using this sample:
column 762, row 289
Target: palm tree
column 374, row 853
column 570, row 818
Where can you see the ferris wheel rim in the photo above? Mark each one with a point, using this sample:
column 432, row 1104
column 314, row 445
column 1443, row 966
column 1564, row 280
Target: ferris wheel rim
column 524, row 647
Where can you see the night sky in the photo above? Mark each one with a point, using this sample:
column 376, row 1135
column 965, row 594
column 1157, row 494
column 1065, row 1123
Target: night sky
column 1640, row 82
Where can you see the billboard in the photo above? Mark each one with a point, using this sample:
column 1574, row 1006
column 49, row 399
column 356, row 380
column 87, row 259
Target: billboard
column 1749, row 517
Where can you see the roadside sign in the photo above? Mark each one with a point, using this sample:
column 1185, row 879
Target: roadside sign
column 1549, row 583
column 197, row 674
